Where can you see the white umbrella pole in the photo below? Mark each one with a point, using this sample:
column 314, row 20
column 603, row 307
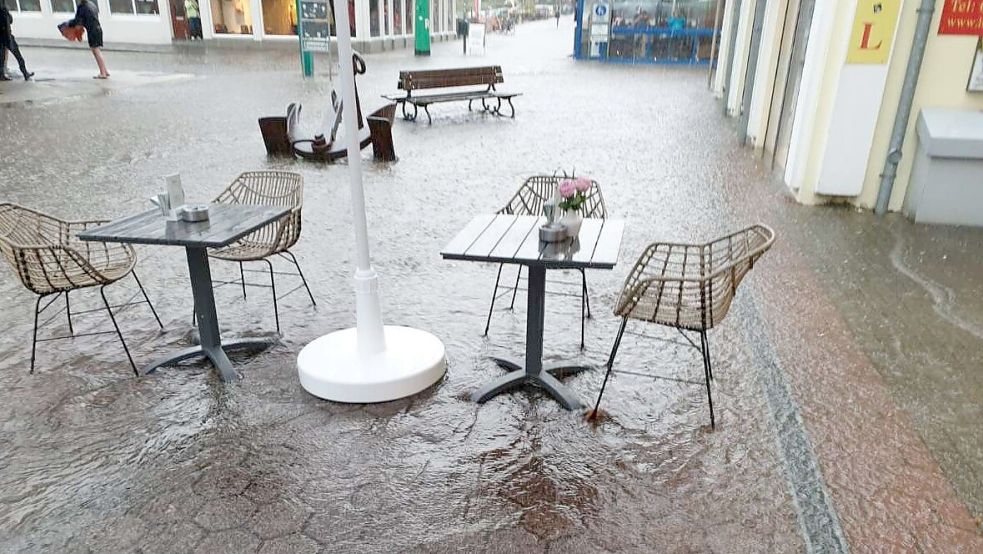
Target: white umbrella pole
column 370, row 363
column 371, row 338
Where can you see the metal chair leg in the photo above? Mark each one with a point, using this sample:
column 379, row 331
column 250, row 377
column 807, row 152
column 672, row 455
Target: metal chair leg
column 34, row 339
column 68, row 312
column 515, row 288
column 242, row 279
column 145, row 297
column 705, row 350
column 705, row 344
column 494, row 295
column 276, row 310
column 614, row 352
column 302, row 278
column 102, row 292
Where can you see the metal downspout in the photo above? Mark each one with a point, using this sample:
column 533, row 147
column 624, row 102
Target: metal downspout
column 922, row 29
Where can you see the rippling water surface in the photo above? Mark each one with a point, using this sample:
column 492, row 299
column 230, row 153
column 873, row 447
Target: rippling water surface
column 93, row 459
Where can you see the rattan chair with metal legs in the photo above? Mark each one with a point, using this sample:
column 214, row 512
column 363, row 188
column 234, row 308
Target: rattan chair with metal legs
column 689, row 287
column 51, row 262
column 528, row 200
column 272, row 188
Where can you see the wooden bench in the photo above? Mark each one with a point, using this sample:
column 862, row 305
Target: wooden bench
column 486, row 77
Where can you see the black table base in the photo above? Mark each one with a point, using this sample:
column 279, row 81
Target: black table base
column 216, row 354
column 545, row 379
column 533, row 373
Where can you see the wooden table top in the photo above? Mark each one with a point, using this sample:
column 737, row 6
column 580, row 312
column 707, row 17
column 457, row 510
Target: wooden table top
column 514, row 239
column 226, row 223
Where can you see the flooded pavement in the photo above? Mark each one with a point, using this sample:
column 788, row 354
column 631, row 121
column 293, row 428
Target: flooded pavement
column 846, row 395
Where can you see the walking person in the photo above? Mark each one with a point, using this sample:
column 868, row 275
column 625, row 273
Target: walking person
column 87, row 16
column 193, row 13
column 8, row 42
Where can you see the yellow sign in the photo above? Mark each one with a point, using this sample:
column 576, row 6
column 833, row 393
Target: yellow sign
column 873, row 31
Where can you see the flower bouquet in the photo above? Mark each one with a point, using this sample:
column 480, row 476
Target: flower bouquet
column 573, row 194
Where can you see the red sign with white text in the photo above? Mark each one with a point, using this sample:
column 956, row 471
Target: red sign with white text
column 962, row 17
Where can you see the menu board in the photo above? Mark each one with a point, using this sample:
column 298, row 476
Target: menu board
column 315, row 26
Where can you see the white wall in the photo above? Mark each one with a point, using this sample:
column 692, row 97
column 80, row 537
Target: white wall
column 814, row 81
column 119, row 28
column 742, row 49
column 723, row 56
column 764, row 74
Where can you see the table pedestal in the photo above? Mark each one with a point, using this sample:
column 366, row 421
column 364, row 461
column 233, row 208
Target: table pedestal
column 211, row 341
column 533, row 373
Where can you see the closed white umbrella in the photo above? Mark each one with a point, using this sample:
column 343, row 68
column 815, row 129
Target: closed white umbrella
column 370, row 362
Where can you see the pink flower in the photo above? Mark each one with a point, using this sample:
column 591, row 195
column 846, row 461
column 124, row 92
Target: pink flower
column 568, row 188
column 583, row 184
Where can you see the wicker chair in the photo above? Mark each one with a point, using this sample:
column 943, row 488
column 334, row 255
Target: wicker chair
column 49, row 260
column 277, row 188
column 689, row 287
column 528, row 200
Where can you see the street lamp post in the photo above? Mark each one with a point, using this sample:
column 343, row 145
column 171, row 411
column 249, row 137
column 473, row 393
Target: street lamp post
column 370, row 362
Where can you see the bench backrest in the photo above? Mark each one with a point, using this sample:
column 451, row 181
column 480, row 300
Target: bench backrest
column 439, row 78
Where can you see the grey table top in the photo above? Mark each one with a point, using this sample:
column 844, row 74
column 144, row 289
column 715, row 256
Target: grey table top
column 226, row 223
column 514, row 239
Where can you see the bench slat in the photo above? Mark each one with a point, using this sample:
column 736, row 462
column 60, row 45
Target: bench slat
column 440, row 78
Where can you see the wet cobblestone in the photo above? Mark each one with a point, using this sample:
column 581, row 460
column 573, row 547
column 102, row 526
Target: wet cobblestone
column 94, row 459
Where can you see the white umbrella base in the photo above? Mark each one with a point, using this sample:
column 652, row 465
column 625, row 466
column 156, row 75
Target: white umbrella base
column 331, row 367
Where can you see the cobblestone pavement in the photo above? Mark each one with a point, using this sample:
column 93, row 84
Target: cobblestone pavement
column 847, row 375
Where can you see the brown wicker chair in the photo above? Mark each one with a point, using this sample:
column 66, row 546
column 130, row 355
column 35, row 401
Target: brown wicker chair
column 689, row 287
column 276, row 188
column 528, row 200
column 49, row 260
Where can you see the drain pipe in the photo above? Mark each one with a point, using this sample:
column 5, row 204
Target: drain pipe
column 922, row 29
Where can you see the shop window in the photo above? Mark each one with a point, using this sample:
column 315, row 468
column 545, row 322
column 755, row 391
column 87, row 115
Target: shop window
column 398, row 17
column 280, row 17
column 24, row 5
column 232, row 17
column 63, row 6
column 653, row 13
column 408, row 15
column 133, row 6
column 374, row 18
column 385, row 16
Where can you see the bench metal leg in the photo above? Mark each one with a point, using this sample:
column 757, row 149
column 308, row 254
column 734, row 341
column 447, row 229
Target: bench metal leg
column 426, row 109
column 511, row 107
column 406, row 114
column 469, row 104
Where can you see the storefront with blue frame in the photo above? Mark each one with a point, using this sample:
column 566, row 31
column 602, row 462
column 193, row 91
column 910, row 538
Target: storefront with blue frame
column 646, row 31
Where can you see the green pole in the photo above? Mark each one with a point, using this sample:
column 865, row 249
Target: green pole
column 306, row 58
column 422, row 28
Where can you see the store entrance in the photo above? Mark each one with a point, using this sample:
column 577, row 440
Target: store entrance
column 179, row 21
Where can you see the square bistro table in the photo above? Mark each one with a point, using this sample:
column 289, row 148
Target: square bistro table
column 226, row 223
column 514, row 239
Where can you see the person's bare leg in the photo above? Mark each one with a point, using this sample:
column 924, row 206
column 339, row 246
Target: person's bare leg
column 101, row 62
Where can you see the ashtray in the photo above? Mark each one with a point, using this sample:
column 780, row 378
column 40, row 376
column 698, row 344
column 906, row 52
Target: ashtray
column 552, row 233
column 193, row 213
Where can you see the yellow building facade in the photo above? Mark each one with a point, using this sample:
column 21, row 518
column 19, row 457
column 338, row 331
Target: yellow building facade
column 816, row 85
